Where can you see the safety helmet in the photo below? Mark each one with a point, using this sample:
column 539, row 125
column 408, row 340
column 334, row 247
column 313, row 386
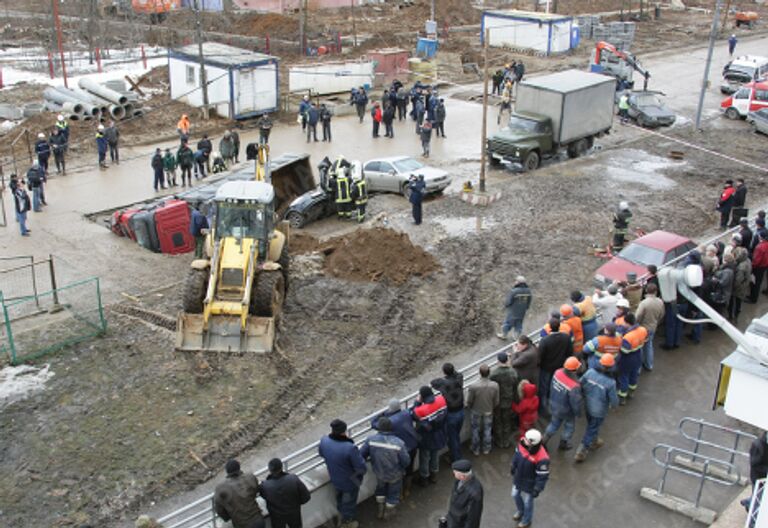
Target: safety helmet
column 566, row 310
column 532, row 437
column 572, row 363
column 608, row 360
column 623, row 206
column 41, row 135
column 60, row 117
column 622, row 303
column 101, row 127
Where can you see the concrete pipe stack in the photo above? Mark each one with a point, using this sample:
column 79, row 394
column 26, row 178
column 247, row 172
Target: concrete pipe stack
column 92, row 100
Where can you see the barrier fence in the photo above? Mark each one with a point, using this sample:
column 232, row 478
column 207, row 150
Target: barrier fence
column 37, row 316
column 200, row 513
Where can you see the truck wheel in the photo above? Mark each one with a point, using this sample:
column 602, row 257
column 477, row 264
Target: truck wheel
column 268, row 294
column 578, row 148
column 532, row 161
column 195, row 288
column 493, row 161
column 732, row 113
column 295, row 219
column 405, row 190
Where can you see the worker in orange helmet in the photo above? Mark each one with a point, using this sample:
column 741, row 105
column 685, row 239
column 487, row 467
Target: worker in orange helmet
column 568, row 316
column 565, row 401
column 182, row 127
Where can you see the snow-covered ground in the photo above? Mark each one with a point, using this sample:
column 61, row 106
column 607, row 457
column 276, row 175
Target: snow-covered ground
column 16, row 383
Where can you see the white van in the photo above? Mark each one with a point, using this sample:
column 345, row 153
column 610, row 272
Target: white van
column 742, row 70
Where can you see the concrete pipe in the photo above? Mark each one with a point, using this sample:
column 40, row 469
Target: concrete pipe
column 59, row 93
column 97, row 89
column 73, row 108
column 117, row 112
column 76, row 117
column 128, row 107
column 73, row 105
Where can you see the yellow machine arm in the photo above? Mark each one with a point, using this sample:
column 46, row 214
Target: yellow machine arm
column 262, row 164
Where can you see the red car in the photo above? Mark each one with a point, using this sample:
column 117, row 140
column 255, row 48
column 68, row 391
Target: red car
column 657, row 247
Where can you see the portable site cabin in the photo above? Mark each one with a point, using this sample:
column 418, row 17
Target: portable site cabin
column 542, row 32
column 241, row 83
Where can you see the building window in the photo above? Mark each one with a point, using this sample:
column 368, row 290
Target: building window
column 190, row 75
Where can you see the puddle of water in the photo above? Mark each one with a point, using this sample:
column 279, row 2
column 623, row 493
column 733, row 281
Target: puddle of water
column 16, row 383
column 636, row 166
column 463, row 226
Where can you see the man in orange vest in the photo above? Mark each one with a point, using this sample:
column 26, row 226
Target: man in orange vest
column 572, row 320
column 564, row 403
column 564, row 328
column 585, row 309
column 606, row 343
column 182, row 127
column 631, row 358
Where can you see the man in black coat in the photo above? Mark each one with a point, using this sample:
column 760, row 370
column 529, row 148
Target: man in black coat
column 758, row 463
column 451, row 386
column 206, row 147
column 235, row 498
column 157, row 166
column 739, row 199
column 466, row 506
column 554, row 349
column 284, row 493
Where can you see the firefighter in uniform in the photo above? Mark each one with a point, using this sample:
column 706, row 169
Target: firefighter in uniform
column 631, row 358
column 343, row 195
column 620, row 226
column 360, row 195
column 606, row 343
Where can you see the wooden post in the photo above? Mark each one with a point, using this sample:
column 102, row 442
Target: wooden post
column 97, row 53
column 483, row 133
column 725, row 16
column 50, row 64
column 354, row 25
column 57, row 22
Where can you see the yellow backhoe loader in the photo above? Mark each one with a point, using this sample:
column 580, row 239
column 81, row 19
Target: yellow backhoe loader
column 233, row 298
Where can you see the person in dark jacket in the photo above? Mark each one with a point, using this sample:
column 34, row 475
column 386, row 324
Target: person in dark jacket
column 198, row 228
column 388, row 117
column 284, row 494
column 745, row 233
column 758, row 462
column 425, row 133
column 530, row 472
column 186, row 159
column 440, row 118
column 402, row 427
column 416, row 186
column 113, row 141
column 169, row 166
column 739, row 199
column 418, row 112
column 35, row 184
column 303, row 108
column 158, row 167
column 429, row 413
column 325, row 120
column 206, row 147
column 507, row 379
column 346, row 469
column 313, row 116
column 376, row 117
column 389, row 460
column 59, row 145
column 402, row 104
column 725, row 203
column 565, row 401
column 516, row 305
column 466, row 506
column 200, row 163
column 21, row 203
column 235, row 498
column 525, row 359
column 519, row 71
column 235, row 144
column 101, row 146
column 43, row 151
column 599, row 389
column 265, row 128
column 360, row 100
column 554, row 349
column 451, row 386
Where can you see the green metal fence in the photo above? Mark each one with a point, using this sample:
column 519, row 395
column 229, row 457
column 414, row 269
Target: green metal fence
column 36, row 325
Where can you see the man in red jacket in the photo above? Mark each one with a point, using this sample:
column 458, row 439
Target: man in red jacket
column 759, row 265
column 725, row 203
column 376, row 115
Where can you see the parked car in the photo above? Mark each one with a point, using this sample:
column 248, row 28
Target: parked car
column 392, row 175
column 749, row 98
column 317, row 203
column 657, row 248
column 743, row 70
column 646, row 108
column 759, row 120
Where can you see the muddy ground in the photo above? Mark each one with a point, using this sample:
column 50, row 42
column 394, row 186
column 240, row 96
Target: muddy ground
column 126, row 420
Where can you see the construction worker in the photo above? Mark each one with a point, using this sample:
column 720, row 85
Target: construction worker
column 530, row 472
column 599, row 390
column 182, row 127
column 568, row 317
column 63, row 126
column 631, row 358
column 59, row 146
column 607, row 343
column 620, row 226
column 632, row 291
column 389, row 460
column 564, row 327
column 564, row 403
column 517, row 303
column 587, row 312
column 265, row 128
column 624, row 108
column 506, row 100
column 360, row 195
column 343, row 195
column 622, row 309
column 101, row 146
column 732, row 40
column 43, row 151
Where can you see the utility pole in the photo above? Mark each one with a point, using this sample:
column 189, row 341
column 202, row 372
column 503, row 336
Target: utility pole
column 354, row 25
column 432, row 10
column 301, row 27
column 203, row 76
column 483, row 133
column 725, row 16
column 57, row 23
column 705, row 81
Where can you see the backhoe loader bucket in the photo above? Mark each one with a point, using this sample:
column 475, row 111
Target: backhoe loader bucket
column 290, row 174
column 224, row 334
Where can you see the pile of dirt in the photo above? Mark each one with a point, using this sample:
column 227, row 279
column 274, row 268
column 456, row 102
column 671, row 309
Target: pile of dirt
column 378, row 254
column 301, row 243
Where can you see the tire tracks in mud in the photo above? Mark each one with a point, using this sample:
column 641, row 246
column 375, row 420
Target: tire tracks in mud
column 148, row 316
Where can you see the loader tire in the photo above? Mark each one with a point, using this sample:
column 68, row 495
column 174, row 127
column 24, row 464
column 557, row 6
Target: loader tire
column 285, row 264
column 268, row 294
column 195, row 287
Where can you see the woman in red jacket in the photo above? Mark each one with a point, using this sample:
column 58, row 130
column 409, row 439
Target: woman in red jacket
column 376, row 115
column 527, row 409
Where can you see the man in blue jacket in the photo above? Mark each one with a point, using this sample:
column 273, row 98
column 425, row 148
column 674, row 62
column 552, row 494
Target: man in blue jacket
column 43, row 151
column 564, row 403
column 530, row 472
column 600, row 394
column 313, row 116
column 517, row 303
column 389, row 459
column 346, row 469
column 402, row 427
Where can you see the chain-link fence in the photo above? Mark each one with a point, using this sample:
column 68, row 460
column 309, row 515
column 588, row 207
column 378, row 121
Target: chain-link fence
column 38, row 316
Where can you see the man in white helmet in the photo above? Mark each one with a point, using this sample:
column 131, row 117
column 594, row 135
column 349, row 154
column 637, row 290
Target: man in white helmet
column 101, row 146
column 63, row 127
column 530, row 471
column 620, row 226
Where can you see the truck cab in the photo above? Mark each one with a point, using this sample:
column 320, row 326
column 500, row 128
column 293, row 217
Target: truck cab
column 523, row 142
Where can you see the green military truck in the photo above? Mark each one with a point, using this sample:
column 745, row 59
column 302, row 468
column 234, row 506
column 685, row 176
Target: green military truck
column 565, row 110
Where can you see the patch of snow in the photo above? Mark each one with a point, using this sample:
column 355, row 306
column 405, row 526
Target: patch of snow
column 17, row 383
column 637, row 166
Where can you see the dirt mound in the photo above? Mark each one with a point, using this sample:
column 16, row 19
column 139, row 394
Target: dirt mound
column 303, row 243
column 378, row 254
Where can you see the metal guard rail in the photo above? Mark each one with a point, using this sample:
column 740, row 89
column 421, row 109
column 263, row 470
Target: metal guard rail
column 357, row 429
column 702, row 425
